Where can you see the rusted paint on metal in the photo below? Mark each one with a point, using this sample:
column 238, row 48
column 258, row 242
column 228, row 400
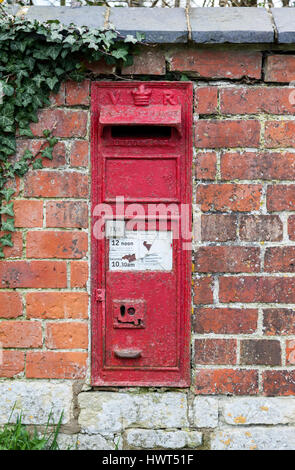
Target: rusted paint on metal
column 141, row 328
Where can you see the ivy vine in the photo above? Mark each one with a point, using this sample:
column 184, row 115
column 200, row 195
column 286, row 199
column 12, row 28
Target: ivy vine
column 35, row 58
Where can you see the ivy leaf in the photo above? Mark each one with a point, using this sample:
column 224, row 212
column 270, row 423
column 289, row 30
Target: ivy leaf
column 8, row 225
column 6, row 240
column 51, row 82
column 120, row 53
column 7, row 193
column 46, row 133
column 26, row 132
column 37, row 164
column 7, row 209
column 130, row 38
column 47, row 153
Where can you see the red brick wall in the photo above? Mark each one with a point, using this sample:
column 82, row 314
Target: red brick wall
column 244, row 290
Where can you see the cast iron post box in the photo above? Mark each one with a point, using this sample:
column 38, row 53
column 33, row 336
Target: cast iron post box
column 141, row 259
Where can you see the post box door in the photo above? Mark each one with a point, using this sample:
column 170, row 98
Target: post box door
column 141, row 259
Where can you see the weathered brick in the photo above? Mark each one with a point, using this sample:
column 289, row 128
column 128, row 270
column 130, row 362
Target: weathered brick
column 77, row 93
column 279, row 321
column 280, row 197
column 79, row 153
column 279, row 134
column 229, row 197
column 217, row 63
column 100, row 67
column 290, row 351
column 260, row 352
column 54, row 305
column 261, row 165
column 232, row 259
column 291, row 227
column 280, row 259
column 257, row 289
column 56, row 184
column 79, row 273
column 57, row 244
column 147, row 62
column 39, row 274
column 226, row 133
column 69, row 335
column 261, row 228
column 225, row 320
column 203, row 290
column 279, row 382
column 36, row 146
column 62, row 123
column 56, row 365
column 58, row 99
column 10, row 304
column 67, row 214
column 226, row 382
column 206, row 100
column 28, row 213
column 215, row 351
column 280, row 68
column 248, row 100
column 13, row 363
column 20, row 334
column 206, row 165
column 218, row 227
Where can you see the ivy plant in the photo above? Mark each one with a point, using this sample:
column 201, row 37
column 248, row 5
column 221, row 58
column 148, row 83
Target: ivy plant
column 35, row 58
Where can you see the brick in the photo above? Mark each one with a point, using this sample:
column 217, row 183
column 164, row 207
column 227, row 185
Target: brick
column 28, row 213
column 291, row 227
column 58, row 244
column 260, row 352
column 218, row 227
column 280, row 197
column 55, row 305
column 279, row 382
column 261, row 165
column 39, row 274
column 206, row 100
column 279, row 134
column 216, row 63
column 56, row 365
column 56, row 184
column 79, row 153
column 215, row 351
column 36, row 146
column 280, row 259
column 232, row 259
column 10, row 304
column 226, row 133
column 206, row 165
column 147, row 62
column 67, row 214
column 280, row 68
column 203, row 290
column 261, row 228
column 225, row 320
column 16, row 250
column 100, row 67
column 62, row 123
column 77, row 93
column 226, row 382
column 290, row 351
column 257, row 289
column 278, row 321
column 70, row 335
column 248, row 100
column 229, row 197
column 79, row 273
column 20, row 334
column 13, row 363
column 58, row 99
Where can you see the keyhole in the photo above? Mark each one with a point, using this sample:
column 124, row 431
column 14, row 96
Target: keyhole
column 131, row 311
column 122, row 310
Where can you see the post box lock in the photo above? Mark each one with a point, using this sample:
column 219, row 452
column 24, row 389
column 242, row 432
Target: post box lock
column 141, row 154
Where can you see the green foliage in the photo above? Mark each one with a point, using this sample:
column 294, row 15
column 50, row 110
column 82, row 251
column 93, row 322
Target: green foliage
column 35, row 58
column 17, row 437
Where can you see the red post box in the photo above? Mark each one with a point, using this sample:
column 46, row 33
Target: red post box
column 141, row 259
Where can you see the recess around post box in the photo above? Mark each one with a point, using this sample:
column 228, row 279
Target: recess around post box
column 141, row 259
